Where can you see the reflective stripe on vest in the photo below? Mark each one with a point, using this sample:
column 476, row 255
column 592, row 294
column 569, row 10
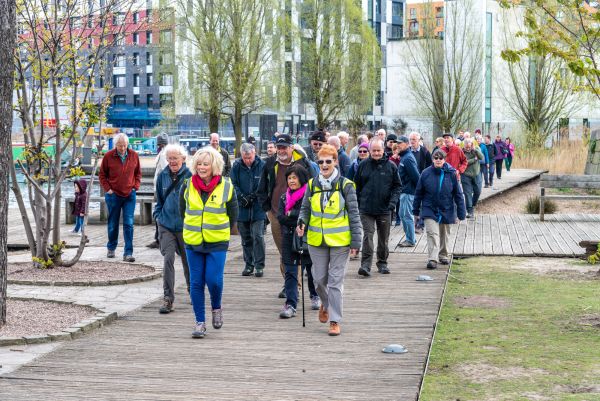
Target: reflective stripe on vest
column 329, row 225
column 207, row 222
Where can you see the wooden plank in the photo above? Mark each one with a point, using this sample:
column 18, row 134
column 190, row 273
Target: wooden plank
column 515, row 243
column 535, row 225
column 487, row 237
column 522, row 237
column 533, row 243
column 505, row 240
column 567, row 178
column 572, row 197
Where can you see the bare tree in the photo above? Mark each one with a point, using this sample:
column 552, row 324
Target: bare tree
column 7, row 46
column 62, row 47
column 445, row 75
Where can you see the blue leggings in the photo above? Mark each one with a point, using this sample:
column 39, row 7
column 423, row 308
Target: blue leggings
column 205, row 269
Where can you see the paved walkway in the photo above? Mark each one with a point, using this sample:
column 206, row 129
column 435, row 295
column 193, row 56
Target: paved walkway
column 256, row 355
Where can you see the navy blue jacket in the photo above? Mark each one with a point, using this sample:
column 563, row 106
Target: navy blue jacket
column 166, row 211
column 344, row 162
column 408, row 171
column 245, row 180
column 440, row 203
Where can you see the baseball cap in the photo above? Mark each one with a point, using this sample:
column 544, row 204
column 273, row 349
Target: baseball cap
column 283, row 140
column 447, row 134
column 391, row 137
column 318, row 136
column 402, row 139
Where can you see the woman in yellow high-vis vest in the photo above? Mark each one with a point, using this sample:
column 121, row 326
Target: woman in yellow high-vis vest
column 209, row 208
column 330, row 214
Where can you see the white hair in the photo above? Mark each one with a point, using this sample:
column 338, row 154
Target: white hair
column 216, row 160
column 468, row 141
column 362, row 139
column 378, row 140
column 120, row 137
column 343, row 134
column 414, row 134
column 381, row 131
column 334, row 141
column 175, row 148
column 247, row 148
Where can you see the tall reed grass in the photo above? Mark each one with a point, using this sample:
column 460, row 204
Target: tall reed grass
column 568, row 157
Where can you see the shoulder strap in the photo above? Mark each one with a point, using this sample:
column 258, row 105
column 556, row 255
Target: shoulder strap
column 171, row 188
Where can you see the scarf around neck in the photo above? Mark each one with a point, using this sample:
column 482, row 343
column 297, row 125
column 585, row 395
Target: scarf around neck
column 291, row 198
column 326, row 183
column 202, row 187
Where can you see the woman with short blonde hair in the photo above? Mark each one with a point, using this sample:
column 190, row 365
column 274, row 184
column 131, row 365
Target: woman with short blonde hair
column 216, row 160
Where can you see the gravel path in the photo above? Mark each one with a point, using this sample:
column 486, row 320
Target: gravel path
column 82, row 271
column 31, row 318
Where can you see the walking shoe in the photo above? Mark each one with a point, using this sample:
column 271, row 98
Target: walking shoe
column 153, row 245
column 323, row 314
column 287, row 312
column 432, row 264
column 315, row 302
column 334, row 329
column 128, row 258
column 363, row 271
column 469, row 215
column 383, row 270
column 199, row 330
column 248, row 271
column 217, row 318
column 110, row 254
column 444, row 261
column 73, row 231
column 486, row 186
column 398, row 223
column 259, row 272
column 406, row 244
column 282, row 294
column 167, row 307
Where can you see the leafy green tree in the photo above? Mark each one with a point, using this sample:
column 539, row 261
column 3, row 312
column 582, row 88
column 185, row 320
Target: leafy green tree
column 341, row 60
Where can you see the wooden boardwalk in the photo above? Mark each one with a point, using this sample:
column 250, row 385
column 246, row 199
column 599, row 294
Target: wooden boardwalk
column 256, row 355
column 514, row 235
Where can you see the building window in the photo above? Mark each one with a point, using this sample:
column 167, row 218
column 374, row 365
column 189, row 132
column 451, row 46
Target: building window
column 413, row 28
column 135, row 38
column 396, row 31
column 166, row 99
column 397, row 9
column 166, row 37
column 118, row 19
column 413, row 13
column 149, row 80
column 119, row 60
column 136, row 17
column 119, row 81
column 165, row 58
column 148, row 37
column 119, row 100
column 438, row 22
column 136, row 80
column 136, row 59
column 136, row 100
column 90, row 21
column 439, row 12
column 149, row 58
column 101, row 81
column 166, row 80
column 150, row 101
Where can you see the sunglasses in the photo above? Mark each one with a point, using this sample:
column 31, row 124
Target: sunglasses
column 438, row 158
column 319, row 144
column 328, row 161
column 363, row 151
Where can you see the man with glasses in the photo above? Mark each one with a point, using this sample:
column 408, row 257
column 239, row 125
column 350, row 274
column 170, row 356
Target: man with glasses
column 377, row 189
column 273, row 184
column 317, row 139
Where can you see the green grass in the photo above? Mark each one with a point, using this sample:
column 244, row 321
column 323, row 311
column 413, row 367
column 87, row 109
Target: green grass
column 539, row 333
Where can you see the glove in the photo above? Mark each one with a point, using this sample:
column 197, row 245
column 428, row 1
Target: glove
column 392, row 207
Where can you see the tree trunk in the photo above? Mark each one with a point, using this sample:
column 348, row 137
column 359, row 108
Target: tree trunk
column 213, row 122
column 7, row 45
column 236, row 119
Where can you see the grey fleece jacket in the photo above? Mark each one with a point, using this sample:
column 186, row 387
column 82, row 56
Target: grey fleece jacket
column 349, row 194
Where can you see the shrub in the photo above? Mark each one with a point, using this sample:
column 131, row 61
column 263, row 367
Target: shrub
column 533, row 206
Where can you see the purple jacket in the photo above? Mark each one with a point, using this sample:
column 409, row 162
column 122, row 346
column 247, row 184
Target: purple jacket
column 501, row 150
column 80, row 198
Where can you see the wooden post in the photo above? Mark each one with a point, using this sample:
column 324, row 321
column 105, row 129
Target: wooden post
column 542, row 193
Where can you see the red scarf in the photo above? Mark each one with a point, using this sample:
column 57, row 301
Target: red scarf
column 202, row 187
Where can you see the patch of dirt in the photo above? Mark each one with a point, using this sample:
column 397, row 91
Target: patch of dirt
column 535, row 397
column 590, row 320
column 35, row 318
column 579, row 389
column 481, row 301
column 83, row 271
column 563, row 268
column 514, row 201
column 483, row 373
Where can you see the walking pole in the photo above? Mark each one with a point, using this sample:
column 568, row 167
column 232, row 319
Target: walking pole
column 302, row 288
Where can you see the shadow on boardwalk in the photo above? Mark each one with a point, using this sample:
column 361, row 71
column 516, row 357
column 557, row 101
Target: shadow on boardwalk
column 256, row 355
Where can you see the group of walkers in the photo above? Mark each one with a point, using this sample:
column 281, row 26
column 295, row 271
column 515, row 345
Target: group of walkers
column 323, row 203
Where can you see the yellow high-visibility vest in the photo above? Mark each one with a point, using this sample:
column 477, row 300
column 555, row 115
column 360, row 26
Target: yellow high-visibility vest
column 207, row 222
column 329, row 225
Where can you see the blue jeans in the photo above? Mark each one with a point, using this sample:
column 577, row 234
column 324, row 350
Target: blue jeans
column 206, row 269
column 115, row 204
column 78, row 224
column 408, row 221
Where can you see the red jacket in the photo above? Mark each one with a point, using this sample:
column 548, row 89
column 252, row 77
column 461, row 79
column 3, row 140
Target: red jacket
column 118, row 176
column 456, row 158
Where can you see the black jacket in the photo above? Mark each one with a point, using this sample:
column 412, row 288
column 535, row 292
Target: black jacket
column 227, row 166
column 288, row 223
column 377, row 186
column 491, row 151
column 423, row 158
